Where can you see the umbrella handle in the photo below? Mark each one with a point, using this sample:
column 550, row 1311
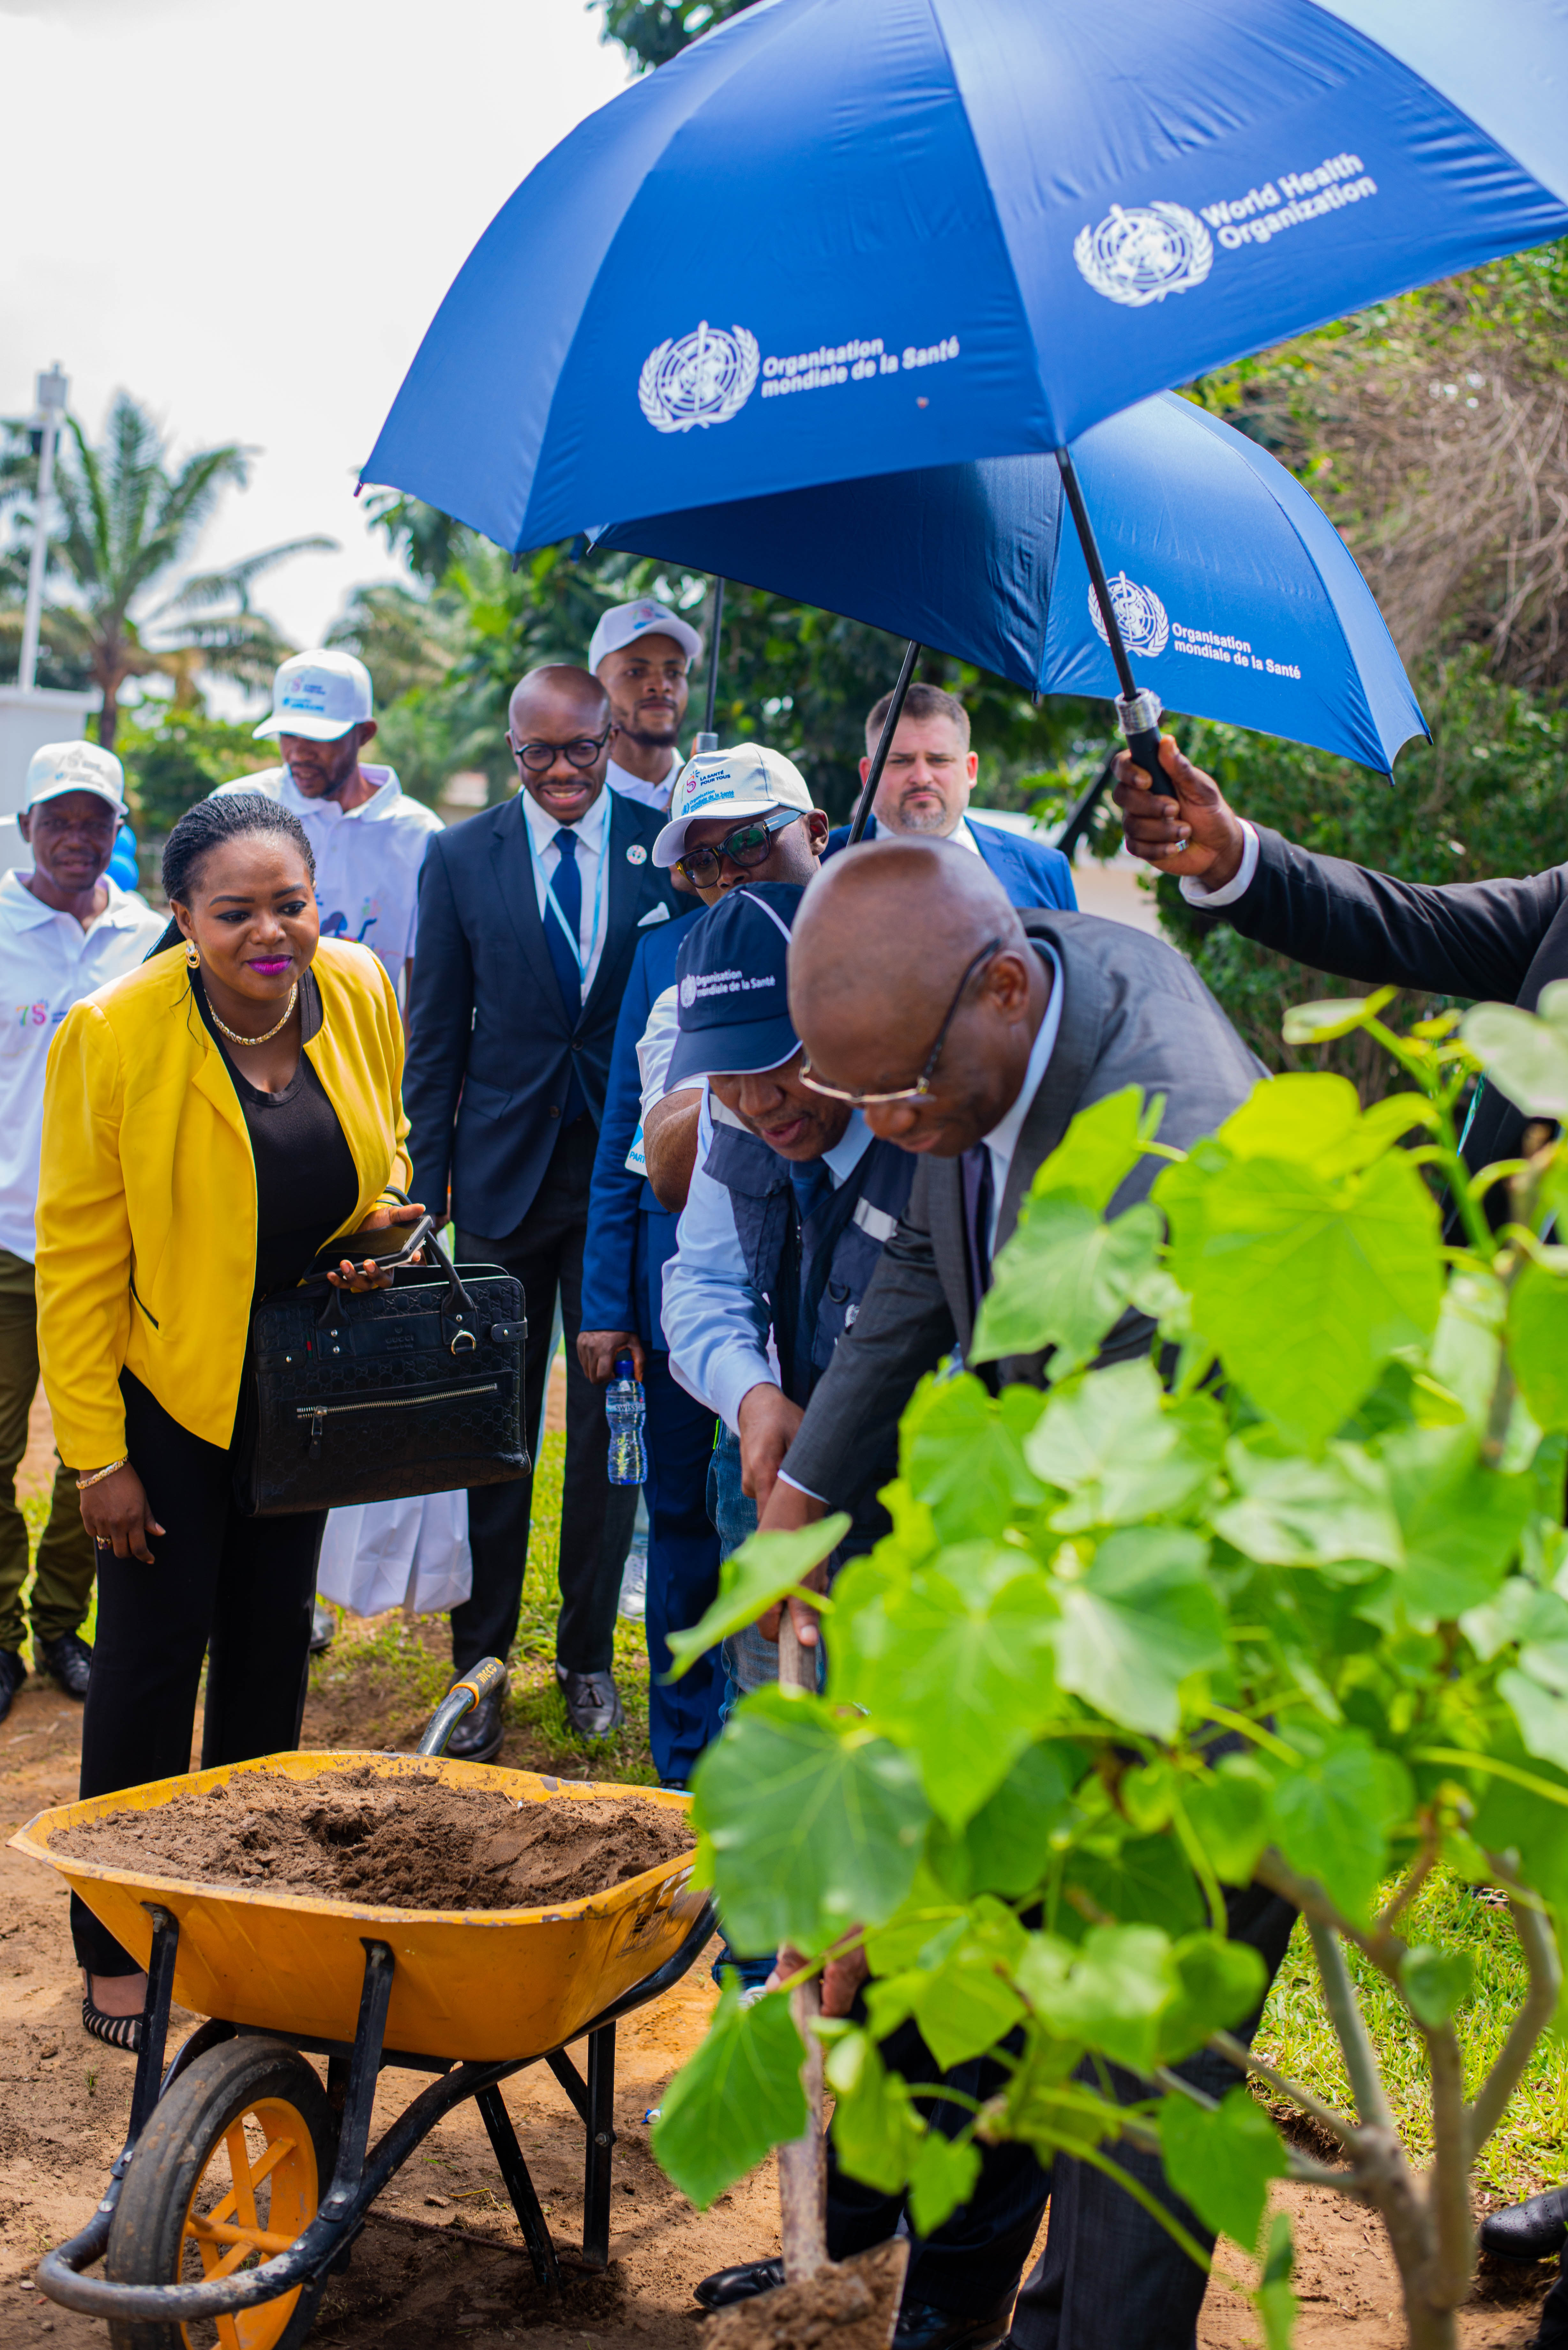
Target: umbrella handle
column 1137, row 713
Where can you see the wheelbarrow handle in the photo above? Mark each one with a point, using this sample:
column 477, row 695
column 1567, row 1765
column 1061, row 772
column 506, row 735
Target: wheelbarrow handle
column 488, row 1679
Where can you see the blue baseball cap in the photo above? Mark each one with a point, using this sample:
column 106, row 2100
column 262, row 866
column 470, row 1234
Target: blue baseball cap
column 732, row 987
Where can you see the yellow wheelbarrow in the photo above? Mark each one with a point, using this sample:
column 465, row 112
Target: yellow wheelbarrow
column 215, row 2209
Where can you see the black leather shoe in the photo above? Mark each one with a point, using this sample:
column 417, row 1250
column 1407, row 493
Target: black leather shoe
column 478, row 1736
column 726, row 2286
column 1528, row 2231
column 68, row 1661
column 593, row 1703
column 921, row 2327
column 13, row 1676
column 323, row 1628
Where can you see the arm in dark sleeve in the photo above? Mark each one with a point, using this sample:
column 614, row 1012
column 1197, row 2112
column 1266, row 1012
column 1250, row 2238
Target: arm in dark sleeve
column 441, row 1022
column 615, row 1200
column 902, row 1331
column 1462, row 938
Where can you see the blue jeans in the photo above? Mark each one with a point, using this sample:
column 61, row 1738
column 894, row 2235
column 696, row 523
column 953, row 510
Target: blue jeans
column 749, row 1661
column 683, row 1716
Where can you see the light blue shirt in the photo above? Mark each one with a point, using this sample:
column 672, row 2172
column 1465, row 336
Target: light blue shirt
column 716, row 1324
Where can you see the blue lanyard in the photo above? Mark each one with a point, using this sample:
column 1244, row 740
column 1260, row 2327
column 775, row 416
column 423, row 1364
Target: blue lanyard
column 554, row 904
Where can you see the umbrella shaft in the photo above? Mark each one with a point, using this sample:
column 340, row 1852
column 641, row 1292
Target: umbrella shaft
column 717, row 631
column 885, row 743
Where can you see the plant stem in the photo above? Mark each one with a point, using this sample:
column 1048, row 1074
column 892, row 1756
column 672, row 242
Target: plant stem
column 1339, row 1996
column 1448, row 2195
column 1236, row 2051
column 1540, row 1947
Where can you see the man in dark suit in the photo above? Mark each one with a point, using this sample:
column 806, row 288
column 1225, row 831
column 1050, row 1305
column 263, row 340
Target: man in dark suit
column 973, row 1034
column 529, row 918
column 924, row 794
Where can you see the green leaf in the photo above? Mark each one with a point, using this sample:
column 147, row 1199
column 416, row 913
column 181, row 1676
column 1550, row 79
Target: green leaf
column 1538, row 1343
column 752, row 1579
column 1146, row 1882
column 1348, row 1263
column 1106, row 1992
column 1436, row 1982
column 877, row 2133
column 1006, row 1847
column 1120, row 1451
column 962, row 1673
column 1064, row 1280
column 1142, row 1619
column 962, row 1459
column 1295, row 1512
column 1276, row 2302
column 1099, row 1149
column 1320, row 1024
column 1333, row 1814
column 735, row 2099
column 1220, row 2162
column 942, row 2175
column 813, row 1824
column 1526, row 1057
column 1542, row 1718
column 962, row 2007
column 1461, row 1522
column 1221, row 1983
column 1231, row 1816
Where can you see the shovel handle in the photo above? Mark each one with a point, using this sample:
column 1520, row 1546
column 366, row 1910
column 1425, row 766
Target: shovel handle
column 803, row 2164
column 797, row 1666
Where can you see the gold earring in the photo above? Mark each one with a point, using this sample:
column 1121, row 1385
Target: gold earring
column 192, row 955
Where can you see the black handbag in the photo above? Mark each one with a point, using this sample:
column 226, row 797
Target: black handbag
column 416, row 1388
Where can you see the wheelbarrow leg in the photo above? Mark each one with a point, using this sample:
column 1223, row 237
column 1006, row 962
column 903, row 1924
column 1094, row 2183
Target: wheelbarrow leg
column 601, row 2140
column 520, row 2187
column 360, row 2090
column 155, row 2019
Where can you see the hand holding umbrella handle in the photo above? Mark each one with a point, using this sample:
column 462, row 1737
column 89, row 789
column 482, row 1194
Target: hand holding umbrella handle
column 1140, row 714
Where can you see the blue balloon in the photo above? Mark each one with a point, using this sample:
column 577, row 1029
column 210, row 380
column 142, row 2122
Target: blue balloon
column 1236, row 595
column 829, row 241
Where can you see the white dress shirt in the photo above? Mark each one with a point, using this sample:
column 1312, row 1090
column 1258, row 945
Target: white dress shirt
column 716, row 1324
column 633, row 788
column 367, row 858
column 47, row 963
column 1193, row 890
column 592, row 829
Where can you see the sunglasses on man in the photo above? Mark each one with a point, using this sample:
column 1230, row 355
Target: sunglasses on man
column 540, row 757
column 746, row 847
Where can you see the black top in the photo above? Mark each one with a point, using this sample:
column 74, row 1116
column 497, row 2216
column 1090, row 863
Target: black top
column 306, row 1181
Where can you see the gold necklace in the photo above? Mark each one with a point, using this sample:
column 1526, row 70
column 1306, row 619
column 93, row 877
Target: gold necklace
column 234, row 1034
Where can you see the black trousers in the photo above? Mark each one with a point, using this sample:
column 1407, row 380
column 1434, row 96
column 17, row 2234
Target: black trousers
column 545, row 1253
column 237, row 1590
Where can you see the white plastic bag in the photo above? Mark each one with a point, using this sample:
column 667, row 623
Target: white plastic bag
column 414, row 1554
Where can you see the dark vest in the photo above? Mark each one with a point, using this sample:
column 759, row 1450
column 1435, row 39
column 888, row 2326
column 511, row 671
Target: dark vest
column 813, row 1271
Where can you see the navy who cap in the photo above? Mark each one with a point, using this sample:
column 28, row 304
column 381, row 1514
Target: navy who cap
column 732, row 987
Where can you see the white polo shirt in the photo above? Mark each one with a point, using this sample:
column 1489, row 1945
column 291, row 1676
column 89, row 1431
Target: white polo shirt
column 47, row 963
column 632, row 788
column 367, row 858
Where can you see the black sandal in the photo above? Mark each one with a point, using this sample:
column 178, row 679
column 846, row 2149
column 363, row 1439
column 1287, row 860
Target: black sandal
column 117, row 2030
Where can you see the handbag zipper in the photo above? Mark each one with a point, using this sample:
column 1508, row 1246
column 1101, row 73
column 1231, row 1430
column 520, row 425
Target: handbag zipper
column 316, row 1412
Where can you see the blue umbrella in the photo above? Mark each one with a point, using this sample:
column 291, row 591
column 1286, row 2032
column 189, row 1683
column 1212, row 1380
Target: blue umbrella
column 1231, row 583
column 832, row 239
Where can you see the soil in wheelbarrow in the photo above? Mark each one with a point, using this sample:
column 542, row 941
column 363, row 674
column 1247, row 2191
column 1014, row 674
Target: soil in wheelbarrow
column 397, row 1844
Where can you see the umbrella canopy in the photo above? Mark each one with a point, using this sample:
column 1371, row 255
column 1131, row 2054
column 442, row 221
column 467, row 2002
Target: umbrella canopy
column 1233, row 589
column 830, row 240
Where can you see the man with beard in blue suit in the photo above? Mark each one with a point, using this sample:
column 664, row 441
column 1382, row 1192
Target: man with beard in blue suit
column 925, row 790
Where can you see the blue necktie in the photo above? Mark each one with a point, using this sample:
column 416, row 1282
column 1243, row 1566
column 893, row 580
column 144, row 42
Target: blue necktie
column 812, row 1183
column 978, row 1199
column 567, row 886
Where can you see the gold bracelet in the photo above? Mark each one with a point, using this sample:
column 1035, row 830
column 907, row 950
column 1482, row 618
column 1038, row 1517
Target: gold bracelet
column 99, row 1475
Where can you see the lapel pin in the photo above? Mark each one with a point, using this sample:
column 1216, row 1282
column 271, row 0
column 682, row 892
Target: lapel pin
column 637, row 854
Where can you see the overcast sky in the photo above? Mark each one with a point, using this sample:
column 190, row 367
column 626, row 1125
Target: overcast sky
column 247, row 215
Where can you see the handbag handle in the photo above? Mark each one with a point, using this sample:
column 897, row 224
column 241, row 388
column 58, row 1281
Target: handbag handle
column 456, row 1307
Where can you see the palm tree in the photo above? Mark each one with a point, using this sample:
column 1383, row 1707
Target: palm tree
column 131, row 517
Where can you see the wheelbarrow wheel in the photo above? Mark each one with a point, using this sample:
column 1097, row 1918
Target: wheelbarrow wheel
column 228, row 2172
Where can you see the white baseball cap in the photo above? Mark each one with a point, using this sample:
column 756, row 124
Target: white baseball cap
column 319, row 695
column 625, row 622
column 61, row 767
column 744, row 781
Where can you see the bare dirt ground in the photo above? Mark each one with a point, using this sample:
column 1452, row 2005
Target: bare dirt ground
column 441, row 2258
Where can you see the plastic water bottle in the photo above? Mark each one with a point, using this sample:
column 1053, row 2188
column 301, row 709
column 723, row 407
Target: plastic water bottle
column 626, row 1409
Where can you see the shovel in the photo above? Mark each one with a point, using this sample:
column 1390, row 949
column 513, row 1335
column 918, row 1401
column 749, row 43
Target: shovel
column 822, row 2304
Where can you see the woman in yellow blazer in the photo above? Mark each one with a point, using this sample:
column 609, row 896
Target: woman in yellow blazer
column 211, row 1122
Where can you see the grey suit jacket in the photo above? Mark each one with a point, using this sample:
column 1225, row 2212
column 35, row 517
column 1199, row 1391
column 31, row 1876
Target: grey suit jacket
column 1134, row 1012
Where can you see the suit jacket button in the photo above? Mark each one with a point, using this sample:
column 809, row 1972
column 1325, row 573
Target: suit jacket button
column 555, row 1109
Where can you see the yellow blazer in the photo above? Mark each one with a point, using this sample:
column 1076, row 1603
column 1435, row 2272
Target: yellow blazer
column 147, row 1196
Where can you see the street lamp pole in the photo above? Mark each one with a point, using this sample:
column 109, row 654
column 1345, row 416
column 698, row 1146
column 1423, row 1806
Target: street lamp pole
column 53, row 390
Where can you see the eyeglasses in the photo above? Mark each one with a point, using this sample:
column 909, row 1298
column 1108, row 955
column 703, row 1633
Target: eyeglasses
column 746, row 847
column 922, row 1083
column 540, row 757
